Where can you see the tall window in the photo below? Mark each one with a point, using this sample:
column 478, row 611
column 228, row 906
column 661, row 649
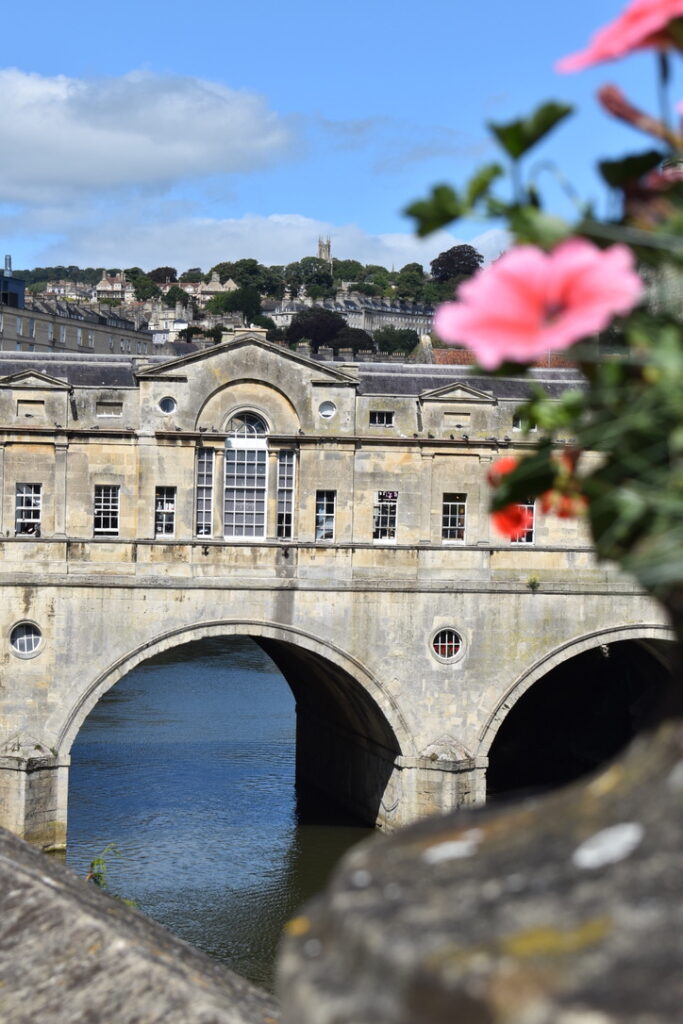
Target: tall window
column 27, row 514
column 204, row 492
column 453, row 516
column 325, row 510
column 384, row 516
column 164, row 511
column 62, row 334
column 50, row 331
column 286, row 462
column 106, row 510
column 527, row 537
column 246, row 458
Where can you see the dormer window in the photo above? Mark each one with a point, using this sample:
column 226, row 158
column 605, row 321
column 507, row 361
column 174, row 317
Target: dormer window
column 381, row 418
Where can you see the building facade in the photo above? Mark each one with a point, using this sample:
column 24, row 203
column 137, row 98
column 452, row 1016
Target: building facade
column 336, row 513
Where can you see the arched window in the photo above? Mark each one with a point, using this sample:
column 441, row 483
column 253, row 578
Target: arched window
column 246, row 473
column 247, row 424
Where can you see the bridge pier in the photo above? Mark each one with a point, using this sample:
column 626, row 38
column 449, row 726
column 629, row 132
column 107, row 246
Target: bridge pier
column 33, row 799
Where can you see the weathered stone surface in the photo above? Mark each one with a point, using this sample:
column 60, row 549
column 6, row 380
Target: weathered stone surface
column 566, row 909
column 71, row 955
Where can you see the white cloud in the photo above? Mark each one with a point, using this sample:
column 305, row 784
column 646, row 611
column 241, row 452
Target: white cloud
column 62, row 135
column 187, row 241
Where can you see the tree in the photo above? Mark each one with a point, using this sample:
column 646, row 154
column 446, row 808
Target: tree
column 410, row 282
column 347, row 270
column 354, row 338
column 174, row 295
column 160, row 275
column 192, row 276
column 244, row 300
column 317, row 325
column 145, row 288
column 457, row 263
column 396, row 339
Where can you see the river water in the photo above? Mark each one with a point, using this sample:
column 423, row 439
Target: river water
column 187, row 767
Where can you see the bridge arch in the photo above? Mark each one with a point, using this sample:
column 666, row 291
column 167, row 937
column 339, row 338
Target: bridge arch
column 544, row 690
column 350, row 730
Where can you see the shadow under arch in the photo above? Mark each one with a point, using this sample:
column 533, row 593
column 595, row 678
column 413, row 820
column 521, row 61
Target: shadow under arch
column 349, row 728
column 576, row 708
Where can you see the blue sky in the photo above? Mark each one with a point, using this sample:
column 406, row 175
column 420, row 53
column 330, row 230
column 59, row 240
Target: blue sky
column 150, row 133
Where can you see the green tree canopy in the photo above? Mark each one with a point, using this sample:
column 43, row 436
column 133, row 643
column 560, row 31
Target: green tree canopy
column 347, row 270
column 317, row 325
column 192, row 276
column 176, row 294
column 160, row 275
column 244, row 300
column 457, row 263
column 396, row 339
column 354, row 338
column 410, row 282
column 145, row 288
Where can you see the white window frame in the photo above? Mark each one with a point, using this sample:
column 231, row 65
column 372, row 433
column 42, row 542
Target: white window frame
column 27, row 508
column 286, row 486
column 245, row 478
column 325, row 515
column 385, row 517
column 529, row 536
column 164, row 511
column 62, row 334
column 453, row 517
column 106, row 510
column 206, row 458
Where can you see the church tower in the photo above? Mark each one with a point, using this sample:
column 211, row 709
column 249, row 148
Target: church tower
column 325, row 249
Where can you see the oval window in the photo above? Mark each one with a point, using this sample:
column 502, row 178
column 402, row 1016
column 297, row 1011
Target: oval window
column 25, row 639
column 447, row 644
column 168, row 405
column 327, row 410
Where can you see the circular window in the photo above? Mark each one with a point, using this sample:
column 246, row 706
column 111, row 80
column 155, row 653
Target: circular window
column 327, row 410
column 447, row 644
column 25, row 639
column 168, row 404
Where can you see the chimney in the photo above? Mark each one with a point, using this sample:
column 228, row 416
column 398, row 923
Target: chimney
column 8, row 266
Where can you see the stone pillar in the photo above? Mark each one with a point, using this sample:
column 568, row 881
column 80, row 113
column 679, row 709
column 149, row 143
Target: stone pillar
column 33, row 799
column 218, row 492
column 60, row 495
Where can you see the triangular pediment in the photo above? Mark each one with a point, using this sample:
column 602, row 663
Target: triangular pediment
column 224, row 351
column 458, row 392
column 33, row 380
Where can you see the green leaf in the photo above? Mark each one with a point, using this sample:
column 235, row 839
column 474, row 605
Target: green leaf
column 442, row 207
column 481, row 182
column 618, row 173
column 516, row 137
column 532, row 225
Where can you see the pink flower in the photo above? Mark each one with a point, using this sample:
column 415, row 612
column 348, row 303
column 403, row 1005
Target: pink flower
column 643, row 24
column 530, row 302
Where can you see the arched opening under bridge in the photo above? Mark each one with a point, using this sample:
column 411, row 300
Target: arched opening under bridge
column 578, row 715
column 188, row 765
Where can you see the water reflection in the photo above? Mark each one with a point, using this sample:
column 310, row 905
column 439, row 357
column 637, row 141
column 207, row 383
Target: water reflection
column 187, row 765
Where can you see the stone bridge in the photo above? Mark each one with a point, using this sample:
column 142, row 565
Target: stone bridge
column 432, row 664
column 384, row 725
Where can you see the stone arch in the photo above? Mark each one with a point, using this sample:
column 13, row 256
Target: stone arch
column 350, row 730
column 261, row 397
column 645, row 632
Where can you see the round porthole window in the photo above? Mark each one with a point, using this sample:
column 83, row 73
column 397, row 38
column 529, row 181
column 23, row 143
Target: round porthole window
column 447, row 644
column 327, row 410
column 25, row 639
column 168, row 404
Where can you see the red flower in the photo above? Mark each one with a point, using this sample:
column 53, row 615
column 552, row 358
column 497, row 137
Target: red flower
column 513, row 521
column 643, row 24
column 500, row 468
